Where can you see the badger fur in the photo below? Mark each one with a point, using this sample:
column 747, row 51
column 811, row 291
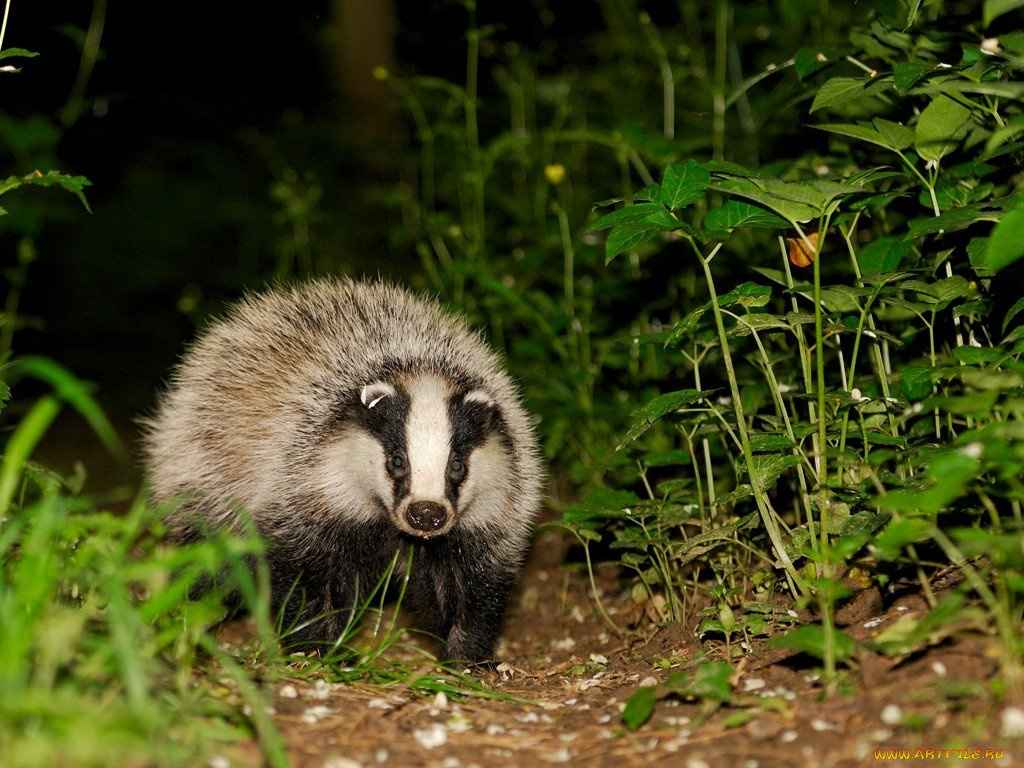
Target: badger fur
column 349, row 421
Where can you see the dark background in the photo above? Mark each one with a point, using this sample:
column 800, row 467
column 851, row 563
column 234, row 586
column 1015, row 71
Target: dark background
column 191, row 113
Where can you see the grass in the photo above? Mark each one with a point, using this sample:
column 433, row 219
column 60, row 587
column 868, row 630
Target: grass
column 99, row 640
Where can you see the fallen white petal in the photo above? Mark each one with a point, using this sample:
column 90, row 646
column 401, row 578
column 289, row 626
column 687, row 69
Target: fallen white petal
column 1012, row 725
column 434, row 736
column 891, row 714
column 342, row 762
column 316, row 714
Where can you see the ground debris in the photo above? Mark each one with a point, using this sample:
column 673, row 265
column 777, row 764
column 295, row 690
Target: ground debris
column 566, row 684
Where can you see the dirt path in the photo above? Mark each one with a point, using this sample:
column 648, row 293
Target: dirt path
column 573, row 677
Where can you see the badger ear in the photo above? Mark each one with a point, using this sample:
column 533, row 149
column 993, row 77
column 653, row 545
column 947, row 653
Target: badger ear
column 374, row 393
column 479, row 396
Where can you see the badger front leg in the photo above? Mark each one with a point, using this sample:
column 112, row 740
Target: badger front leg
column 462, row 595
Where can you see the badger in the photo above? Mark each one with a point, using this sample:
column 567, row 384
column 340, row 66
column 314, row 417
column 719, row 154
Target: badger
column 353, row 422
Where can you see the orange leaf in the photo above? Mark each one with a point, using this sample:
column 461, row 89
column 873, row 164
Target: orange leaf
column 801, row 251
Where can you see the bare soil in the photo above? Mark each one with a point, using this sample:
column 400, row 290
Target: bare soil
column 572, row 674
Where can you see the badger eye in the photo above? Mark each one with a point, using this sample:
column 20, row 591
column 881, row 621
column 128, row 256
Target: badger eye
column 397, row 464
column 456, row 469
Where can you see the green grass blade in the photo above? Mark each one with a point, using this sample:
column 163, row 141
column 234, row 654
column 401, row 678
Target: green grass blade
column 75, row 392
column 23, row 441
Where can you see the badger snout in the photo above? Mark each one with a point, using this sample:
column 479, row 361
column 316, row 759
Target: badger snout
column 426, row 517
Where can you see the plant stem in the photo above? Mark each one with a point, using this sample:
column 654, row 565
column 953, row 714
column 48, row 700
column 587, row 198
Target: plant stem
column 3, row 27
column 668, row 86
column 768, row 515
column 721, row 59
column 477, row 244
column 73, row 108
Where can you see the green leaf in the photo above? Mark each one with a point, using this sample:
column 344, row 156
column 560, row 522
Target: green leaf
column 743, row 716
column 746, row 295
column 1006, row 243
column 768, row 467
column 910, row 633
column 838, row 90
column 629, row 214
column 667, row 403
column 916, row 382
column 760, row 322
column 940, row 128
column 906, row 74
column 947, row 290
column 1001, row 548
column 700, row 544
column 812, row 639
column 11, row 52
column 791, row 210
column 738, row 213
column 1013, row 128
column 888, row 544
column 807, row 61
column 993, row 9
column 73, row 184
column 897, row 135
column 841, row 298
column 883, row 254
column 1012, row 312
column 644, row 418
column 600, row 504
column 979, row 355
column 862, row 524
column 953, row 220
column 639, row 707
column 710, row 682
column 627, row 236
column 688, row 324
column 861, row 132
column 1002, row 88
column 683, row 184
column 770, row 441
column 948, row 475
column 884, row 133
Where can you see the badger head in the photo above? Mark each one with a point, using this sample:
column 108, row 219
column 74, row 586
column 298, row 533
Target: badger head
column 428, row 453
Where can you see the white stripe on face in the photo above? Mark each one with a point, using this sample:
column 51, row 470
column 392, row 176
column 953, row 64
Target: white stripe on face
column 483, row 500
column 427, row 438
column 351, row 476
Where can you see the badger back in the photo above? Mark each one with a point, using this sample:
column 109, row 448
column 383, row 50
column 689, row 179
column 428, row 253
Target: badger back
column 301, row 405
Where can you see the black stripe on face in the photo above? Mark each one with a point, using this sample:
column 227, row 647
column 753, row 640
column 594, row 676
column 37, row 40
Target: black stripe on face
column 386, row 421
column 472, row 422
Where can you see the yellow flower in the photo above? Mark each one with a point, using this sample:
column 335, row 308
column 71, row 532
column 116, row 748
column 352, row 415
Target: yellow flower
column 554, row 173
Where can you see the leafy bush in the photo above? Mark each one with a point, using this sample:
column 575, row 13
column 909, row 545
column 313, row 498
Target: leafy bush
column 858, row 396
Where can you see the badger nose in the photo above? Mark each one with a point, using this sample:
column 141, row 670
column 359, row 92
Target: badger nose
column 426, row 516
